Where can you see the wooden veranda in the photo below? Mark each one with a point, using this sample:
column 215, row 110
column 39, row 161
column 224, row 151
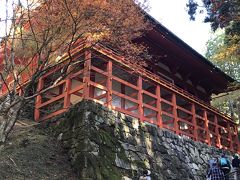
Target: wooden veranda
column 102, row 76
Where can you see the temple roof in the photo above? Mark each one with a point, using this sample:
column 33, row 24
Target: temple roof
column 181, row 55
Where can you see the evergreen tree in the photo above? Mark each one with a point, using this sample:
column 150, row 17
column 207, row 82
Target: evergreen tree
column 223, row 49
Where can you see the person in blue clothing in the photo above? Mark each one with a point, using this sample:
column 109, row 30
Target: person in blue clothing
column 210, row 164
column 215, row 173
column 225, row 165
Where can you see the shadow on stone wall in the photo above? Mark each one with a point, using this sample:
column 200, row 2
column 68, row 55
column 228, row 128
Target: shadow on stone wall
column 103, row 144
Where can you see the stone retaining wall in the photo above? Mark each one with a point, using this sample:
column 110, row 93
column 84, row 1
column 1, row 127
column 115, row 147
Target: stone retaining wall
column 104, row 144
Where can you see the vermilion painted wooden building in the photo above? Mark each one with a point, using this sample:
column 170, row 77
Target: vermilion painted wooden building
column 172, row 92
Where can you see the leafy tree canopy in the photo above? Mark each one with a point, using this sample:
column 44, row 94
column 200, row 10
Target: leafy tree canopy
column 50, row 28
column 43, row 31
column 224, row 55
column 220, row 13
column 223, row 49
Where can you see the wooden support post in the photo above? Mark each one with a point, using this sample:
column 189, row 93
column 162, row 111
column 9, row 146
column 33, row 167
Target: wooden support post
column 208, row 140
column 174, row 101
column 122, row 99
column 194, row 121
column 92, row 78
column 159, row 113
column 230, row 136
column 237, row 139
column 238, row 145
column 67, row 95
column 86, row 74
column 109, row 84
column 217, row 132
column 19, row 90
column 140, row 98
column 38, row 100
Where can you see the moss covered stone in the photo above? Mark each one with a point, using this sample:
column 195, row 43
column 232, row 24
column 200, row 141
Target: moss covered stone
column 106, row 145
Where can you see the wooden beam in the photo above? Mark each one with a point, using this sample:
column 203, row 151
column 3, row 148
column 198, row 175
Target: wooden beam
column 230, row 136
column 151, row 103
column 134, row 95
column 123, row 101
column 194, row 122
column 51, row 93
column 38, row 100
column 66, row 92
column 176, row 128
column 140, row 97
column 159, row 112
column 217, row 132
column 151, row 115
column 77, row 78
column 100, row 96
column 78, row 94
column 206, row 122
column 132, row 108
column 86, row 74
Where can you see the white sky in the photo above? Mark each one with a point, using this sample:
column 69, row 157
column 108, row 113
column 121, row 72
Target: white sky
column 172, row 14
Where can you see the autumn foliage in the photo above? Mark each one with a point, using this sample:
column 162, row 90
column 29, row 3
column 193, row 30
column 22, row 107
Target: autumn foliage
column 51, row 29
column 44, row 31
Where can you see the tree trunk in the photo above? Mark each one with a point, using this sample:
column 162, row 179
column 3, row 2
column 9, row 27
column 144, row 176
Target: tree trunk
column 9, row 111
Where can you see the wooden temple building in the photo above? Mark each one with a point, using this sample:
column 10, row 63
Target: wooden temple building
column 173, row 91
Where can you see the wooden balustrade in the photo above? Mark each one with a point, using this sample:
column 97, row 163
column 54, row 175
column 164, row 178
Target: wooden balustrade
column 122, row 89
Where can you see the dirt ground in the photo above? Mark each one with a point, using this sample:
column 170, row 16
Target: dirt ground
column 32, row 153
